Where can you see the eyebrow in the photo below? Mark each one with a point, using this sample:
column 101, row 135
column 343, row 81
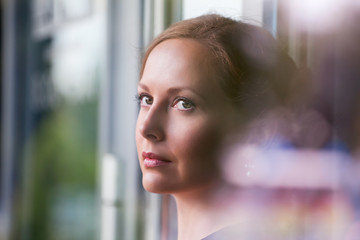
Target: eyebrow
column 174, row 90
column 143, row 86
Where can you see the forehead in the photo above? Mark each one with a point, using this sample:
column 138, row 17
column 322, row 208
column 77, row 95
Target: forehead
column 180, row 59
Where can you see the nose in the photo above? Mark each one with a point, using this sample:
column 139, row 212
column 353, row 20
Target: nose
column 151, row 124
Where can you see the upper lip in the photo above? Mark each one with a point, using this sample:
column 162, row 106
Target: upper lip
column 151, row 155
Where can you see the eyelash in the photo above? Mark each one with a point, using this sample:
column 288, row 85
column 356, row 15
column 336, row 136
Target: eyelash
column 140, row 97
column 186, row 101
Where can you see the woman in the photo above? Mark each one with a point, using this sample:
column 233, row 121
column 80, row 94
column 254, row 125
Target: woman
column 202, row 83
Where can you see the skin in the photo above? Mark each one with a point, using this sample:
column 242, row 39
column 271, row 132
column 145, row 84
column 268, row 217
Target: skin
column 184, row 117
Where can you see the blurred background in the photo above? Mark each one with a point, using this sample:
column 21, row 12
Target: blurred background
column 69, row 71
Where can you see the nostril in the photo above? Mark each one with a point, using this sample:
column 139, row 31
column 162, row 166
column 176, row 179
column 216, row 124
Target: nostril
column 151, row 133
column 152, row 137
column 151, row 125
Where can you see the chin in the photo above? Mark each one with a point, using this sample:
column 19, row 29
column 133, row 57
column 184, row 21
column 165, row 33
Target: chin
column 157, row 184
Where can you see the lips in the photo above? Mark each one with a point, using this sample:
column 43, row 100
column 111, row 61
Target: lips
column 152, row 160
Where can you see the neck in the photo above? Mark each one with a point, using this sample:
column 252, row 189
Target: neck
column 200, row 212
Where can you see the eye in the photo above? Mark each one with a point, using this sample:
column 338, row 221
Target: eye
column 184, row 105
column 145, row 100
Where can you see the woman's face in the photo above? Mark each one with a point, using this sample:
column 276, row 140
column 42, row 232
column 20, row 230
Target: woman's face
column 183, row 118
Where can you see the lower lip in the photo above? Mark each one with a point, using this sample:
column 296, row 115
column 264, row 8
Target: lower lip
column 150, row 163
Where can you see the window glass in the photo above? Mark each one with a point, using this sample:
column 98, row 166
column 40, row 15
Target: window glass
column 52, row 167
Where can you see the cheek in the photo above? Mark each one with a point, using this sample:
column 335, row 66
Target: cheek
column 138, row 136
column 197, row 146
column 203, row 141
column 137, row 133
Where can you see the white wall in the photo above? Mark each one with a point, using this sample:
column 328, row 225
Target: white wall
column 248, row 10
